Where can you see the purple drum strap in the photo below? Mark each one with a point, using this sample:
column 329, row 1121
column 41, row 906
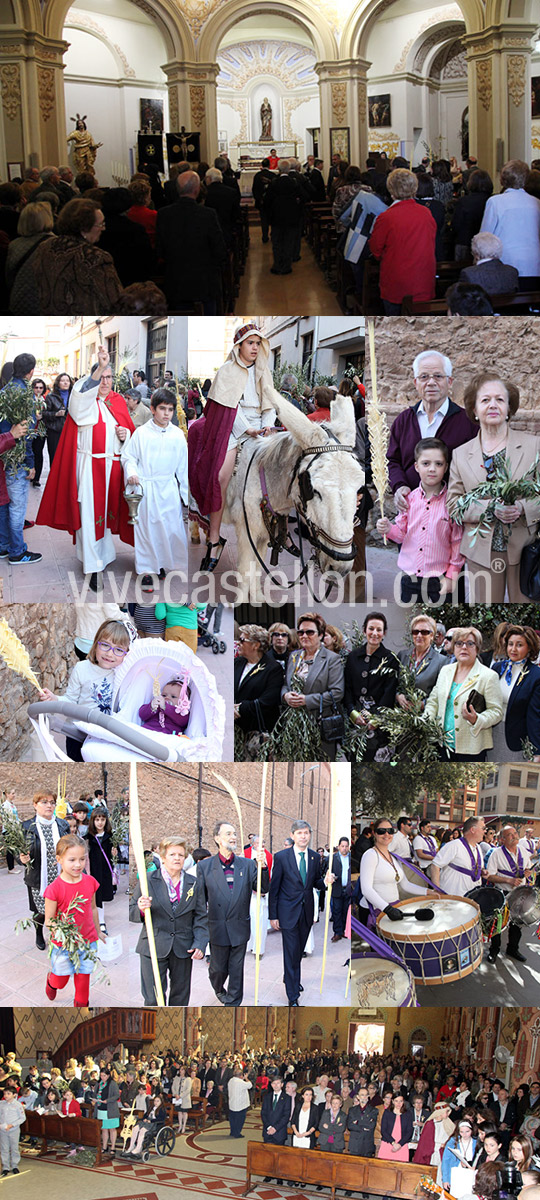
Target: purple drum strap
column 407, row 863
column 375, row 942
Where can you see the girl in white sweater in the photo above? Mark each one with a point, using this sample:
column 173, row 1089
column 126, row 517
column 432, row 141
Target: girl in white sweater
column 91, row 681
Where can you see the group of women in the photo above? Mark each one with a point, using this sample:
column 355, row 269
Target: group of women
column 52, row 403
column 485, row 704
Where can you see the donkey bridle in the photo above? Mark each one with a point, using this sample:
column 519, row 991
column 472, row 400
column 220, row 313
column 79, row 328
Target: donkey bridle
column 307, row 493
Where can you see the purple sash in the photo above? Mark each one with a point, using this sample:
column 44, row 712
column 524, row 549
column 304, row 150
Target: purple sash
column 517, row 868
column 429, row 843
column 475, row 869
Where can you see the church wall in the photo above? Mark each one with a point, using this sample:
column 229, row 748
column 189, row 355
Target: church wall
column 138, row 44
column 402, row 1021
column 42, row 1029
column 507, row 343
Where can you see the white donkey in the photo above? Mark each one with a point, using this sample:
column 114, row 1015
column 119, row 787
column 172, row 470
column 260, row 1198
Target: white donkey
column 323, row 487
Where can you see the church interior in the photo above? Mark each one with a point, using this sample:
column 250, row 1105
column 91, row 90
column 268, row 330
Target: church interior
column 403, row 78
column 503, row 1042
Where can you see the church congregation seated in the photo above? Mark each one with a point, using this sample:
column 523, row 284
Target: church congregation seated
column 312, row 1099
column 189, row 236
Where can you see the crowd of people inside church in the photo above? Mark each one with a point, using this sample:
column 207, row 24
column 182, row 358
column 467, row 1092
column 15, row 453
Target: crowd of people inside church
column 397, row 1107
column 69, row 245
column 485, row 700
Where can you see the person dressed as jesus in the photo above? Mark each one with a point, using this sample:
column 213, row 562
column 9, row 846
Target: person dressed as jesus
column 84, row 491
column 156, row 459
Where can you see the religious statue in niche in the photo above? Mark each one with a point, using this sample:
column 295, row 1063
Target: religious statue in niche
column 266, row 121
column 84, row 146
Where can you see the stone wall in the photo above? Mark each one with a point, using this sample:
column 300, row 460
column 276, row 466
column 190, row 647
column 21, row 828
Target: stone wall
column 25, row 779
column 47, row 631
column 509, row 344
column 169, row 800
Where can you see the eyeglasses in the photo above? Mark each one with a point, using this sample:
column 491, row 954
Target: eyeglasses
column 436, row 378
column 469, row 645
column 421, row 632
column 279, row 635
column 243, row 639
column 116, row 650
column 307, row 632
column 383, row 832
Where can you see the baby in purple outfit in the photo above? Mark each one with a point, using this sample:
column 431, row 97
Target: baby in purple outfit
column 169, row 712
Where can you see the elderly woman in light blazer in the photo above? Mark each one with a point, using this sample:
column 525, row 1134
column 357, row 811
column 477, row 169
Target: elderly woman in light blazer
column 466, row 700
column 493, row 560
column 313, row 672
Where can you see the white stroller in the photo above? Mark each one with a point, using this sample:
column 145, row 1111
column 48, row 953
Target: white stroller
column 119, row 737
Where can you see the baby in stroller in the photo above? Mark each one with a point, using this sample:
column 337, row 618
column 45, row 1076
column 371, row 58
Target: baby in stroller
column 168, row 712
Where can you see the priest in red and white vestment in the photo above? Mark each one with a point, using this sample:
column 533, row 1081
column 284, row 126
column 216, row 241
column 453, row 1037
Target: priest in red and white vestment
column 84, row 491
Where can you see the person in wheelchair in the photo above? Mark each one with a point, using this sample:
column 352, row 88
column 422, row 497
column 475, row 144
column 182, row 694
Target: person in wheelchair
column 147, row 1127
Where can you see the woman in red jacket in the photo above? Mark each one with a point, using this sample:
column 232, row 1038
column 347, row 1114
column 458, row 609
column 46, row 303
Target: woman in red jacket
column 70, row 1107
column 403, row 239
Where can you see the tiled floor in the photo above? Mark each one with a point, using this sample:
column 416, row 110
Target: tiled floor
column 23, row 968
column 305, row 291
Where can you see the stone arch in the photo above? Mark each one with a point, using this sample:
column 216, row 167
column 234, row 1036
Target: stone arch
column 28, row 14
column 355, row 35
column 300, row 12
column 167, row 16
column 429, row 42
column 420, row 1034
column 101, row 36
column 502, row 12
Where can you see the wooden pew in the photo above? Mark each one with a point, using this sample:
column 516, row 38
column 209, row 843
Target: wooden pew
column 334, row 1170
column 508, row 304
column 85, row 1131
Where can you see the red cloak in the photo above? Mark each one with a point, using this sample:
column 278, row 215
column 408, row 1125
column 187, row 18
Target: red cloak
column 59, row 506
column 207, row 446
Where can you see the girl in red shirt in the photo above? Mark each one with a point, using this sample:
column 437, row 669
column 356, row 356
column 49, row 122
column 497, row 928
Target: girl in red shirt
column 70, row 1107
column 72, row 884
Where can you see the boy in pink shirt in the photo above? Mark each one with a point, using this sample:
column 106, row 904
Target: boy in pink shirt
column 430, row 557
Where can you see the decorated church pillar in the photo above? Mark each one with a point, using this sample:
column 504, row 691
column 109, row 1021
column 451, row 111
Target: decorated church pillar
column 193, row 102
column 343, row 98
column 32, row 93
column 499, row 62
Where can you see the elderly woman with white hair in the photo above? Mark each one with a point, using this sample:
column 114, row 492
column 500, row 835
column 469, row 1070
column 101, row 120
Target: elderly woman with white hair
column 488, row 272
column 258, row 679
column 434, row 415
column 466, row 700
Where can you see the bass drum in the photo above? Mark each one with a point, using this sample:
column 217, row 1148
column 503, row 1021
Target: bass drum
column 381, row 981
column 494, row 915
column 441, row 950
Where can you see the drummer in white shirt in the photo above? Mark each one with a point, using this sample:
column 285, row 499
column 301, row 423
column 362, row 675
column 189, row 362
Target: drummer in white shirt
column 509, row 867
column 458, row 866
column 424, row 845
column 382, row 878
column 528, row 843
column 400, row 843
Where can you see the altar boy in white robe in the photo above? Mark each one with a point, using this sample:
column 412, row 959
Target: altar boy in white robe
column 156, row 458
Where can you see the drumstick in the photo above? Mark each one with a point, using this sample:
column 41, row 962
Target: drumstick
column 138, row 851
column 259, row 874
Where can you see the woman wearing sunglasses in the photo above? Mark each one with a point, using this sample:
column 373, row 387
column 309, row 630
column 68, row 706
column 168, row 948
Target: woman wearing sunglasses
column 424, row 660
column 382, row 879
column 314, row 674
column 466, row 700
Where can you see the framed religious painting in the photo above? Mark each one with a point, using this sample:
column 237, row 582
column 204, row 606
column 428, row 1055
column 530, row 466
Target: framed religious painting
column 14, row 170
column 340, row 142
column 535, row 97
column 151, row 115
column 380, row 111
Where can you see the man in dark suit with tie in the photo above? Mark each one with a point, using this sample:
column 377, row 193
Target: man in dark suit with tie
column 275, row 1109
column 341, row 889
column 225, row 884
column 296, row 872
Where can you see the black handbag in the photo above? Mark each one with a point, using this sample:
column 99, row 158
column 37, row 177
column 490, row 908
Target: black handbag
column 529, row 570
column 333, row 727
column 477, row 700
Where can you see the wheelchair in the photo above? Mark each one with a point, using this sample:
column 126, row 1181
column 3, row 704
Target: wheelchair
column 160, row 1143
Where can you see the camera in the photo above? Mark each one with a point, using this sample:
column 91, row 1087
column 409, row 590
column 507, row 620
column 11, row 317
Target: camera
column 510, row 1181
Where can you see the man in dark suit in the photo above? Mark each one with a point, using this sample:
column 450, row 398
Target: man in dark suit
column 225, row 884
column 506, row 1113
column 207, row 1073
column 192, row 248
column 259, row 187
column 488, row 272
column 221, row 1082
column 284, row 205
column 180, row 929
column 341, row 889
column 275, row 1111
column 224, row 200
column 317, row 181
column 295, row 873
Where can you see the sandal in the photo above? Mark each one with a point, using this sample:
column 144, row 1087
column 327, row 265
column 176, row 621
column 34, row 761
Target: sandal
column 210, row 561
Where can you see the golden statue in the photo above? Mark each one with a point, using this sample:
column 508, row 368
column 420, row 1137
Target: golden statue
column 84, row 146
